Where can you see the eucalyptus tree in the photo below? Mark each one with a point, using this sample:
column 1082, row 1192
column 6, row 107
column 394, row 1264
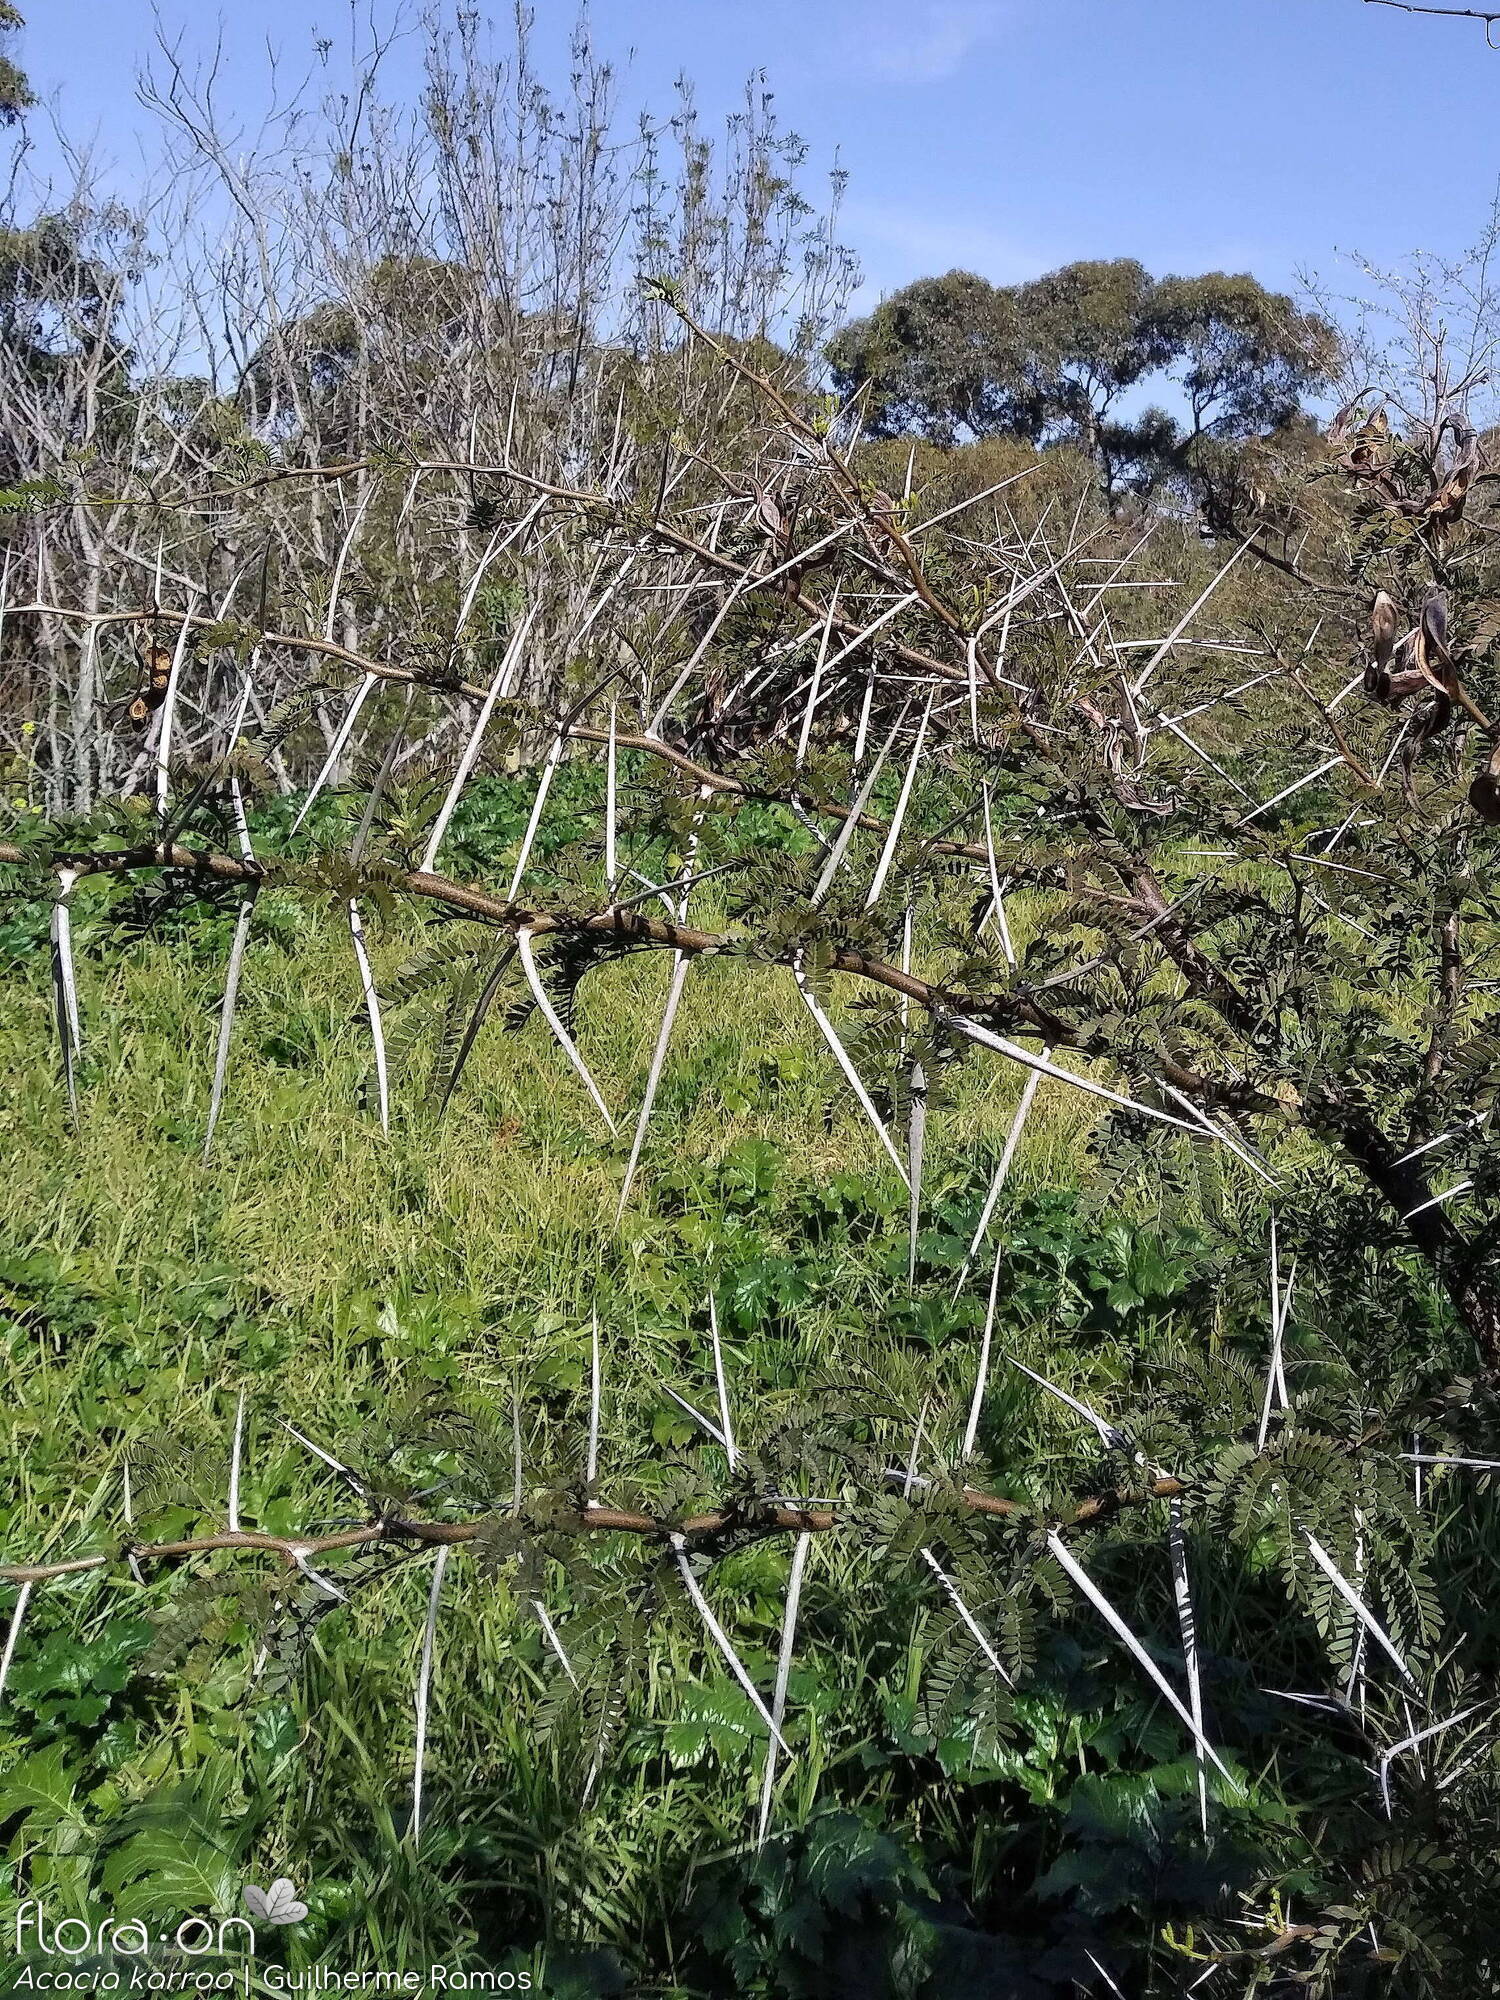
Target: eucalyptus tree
column 1051, row 359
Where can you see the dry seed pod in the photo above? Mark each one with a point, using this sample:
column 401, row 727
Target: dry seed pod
column 1447, row 504
column 1384, row 621
column 1399, row 686
column 1435, row 625
column 1484, row 793
column 770, row 516
column 1431, row 716
column 1377, row 682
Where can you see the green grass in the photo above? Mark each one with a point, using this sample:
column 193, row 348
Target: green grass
column 341, row 1279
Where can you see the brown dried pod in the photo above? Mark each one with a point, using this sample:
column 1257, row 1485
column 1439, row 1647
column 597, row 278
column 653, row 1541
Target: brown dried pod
column 1401, row 686
column 1385, row 621
column 1435, row 626
column 770, row 515
column 1484, row 793
column 1431, row 715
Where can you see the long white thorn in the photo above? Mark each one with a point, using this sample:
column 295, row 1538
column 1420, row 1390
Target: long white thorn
column 1356, row 1603
column 569, row 1046
column 236, row 965
column 1275, row 1378
column 327, row 1456
column 997, row 891
column 721, row 1639
column 372, row 1009
column 851, row 821
column 553, row 1640
column 680, row 965
column 705, row 1424
column 1187, row 618
column 424, row 1690
column 611, row 803
column 1043, row 1067
column 982, row 1373
column 800, row 1553
column 1085, row 1583
column 591, row 1472
column 235, row 1450
column 549, row 771
column 1114, row 1439
column 336, row 584
column 1223, row 1134
column 1287, row 790
column 1029, row 1090
column 65, row 983
column 817, row 681
column 17, row 1618
column 1396, row 1749
column 841, row 1057
column 336, row 749
column 887, row 853
column 471, row 748
column 719, row 1383
column 976, row 1631
column 1187, row 1625
column 168, row 722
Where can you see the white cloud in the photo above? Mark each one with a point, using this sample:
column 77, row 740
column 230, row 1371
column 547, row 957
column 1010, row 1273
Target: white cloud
column 927, row 42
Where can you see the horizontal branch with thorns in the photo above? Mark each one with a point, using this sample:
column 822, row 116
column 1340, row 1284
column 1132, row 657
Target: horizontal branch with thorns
column 397, row 1530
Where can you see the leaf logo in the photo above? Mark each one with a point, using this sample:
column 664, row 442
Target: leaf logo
column 276, row 1905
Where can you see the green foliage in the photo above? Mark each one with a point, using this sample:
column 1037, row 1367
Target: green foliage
column 955, row 357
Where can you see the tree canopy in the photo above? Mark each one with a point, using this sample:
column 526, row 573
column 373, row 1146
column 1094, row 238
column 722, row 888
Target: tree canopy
column 15, row 92
column 956, row 358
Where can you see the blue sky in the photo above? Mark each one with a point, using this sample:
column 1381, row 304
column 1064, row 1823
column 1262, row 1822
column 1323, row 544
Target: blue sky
column 1007, row 136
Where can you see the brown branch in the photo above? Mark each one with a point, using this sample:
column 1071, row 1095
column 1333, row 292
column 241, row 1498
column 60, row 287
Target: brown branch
column 1455, row 13
column 1019, row 1010
column 575, row 732
column 397, row 1531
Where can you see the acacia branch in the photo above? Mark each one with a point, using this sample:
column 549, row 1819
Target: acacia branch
column 1487, row 16
column 397, row 1531
column 1016, row 1009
